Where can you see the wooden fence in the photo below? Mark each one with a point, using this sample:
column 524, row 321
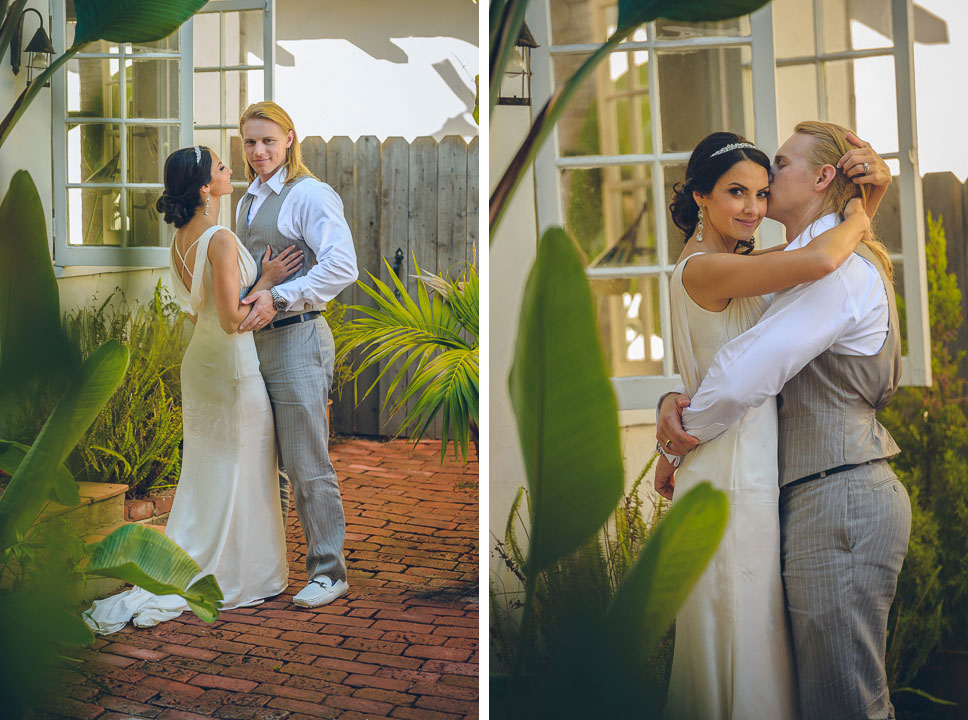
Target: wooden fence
column 418, row 198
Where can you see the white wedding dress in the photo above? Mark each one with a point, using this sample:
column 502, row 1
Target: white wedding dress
column 226, row 509
column 733, row 657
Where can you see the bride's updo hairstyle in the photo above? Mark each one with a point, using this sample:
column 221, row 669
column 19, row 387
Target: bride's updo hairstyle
column 704, row 169
column 185, row 174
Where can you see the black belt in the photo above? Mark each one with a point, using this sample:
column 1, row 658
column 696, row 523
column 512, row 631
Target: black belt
column 831, row 471
column 293, row 319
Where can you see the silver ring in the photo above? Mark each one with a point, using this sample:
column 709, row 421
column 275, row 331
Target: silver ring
column 867, row 168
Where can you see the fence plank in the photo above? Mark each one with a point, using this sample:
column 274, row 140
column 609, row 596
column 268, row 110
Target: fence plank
column 451, row 205
column 471, row 247
column 313, row 151
column 423, row 216
column 340, row 166
column 366, row 415
column 394, row 235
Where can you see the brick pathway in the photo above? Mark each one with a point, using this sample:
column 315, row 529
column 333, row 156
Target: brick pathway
column 402, row 644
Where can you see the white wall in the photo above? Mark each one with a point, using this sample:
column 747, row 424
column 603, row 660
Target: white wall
column 380, row 67
column 28, row 147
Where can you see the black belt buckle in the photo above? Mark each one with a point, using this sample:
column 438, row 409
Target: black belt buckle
column 292, row 320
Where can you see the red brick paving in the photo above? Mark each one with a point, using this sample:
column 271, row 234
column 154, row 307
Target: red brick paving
column 402, row 644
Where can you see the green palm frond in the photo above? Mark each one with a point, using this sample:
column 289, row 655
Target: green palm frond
column 432, row 337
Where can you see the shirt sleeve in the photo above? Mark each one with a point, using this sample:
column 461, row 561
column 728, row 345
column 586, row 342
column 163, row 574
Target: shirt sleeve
column 317, row 217
column 802, row 322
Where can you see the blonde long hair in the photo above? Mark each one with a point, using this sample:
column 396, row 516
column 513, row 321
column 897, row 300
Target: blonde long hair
column 270, row 111
column 828, row 146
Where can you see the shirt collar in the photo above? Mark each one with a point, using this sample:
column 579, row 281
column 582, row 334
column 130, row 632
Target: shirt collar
column 275, row 183
column 816, row 228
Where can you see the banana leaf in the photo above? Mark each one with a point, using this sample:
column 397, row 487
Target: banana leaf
column 153, row 561
column 31, row 484
column 32, row 344
column 566, row 411
column 63, row 489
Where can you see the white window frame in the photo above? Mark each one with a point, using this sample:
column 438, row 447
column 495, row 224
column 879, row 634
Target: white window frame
column 65, row 254
column 641, row 392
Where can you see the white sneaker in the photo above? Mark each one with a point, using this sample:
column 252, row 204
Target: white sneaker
column 320, row 591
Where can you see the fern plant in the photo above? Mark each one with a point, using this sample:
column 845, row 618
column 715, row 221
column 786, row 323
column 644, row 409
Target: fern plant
column 436, row 336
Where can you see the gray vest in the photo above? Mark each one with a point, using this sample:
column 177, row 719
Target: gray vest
column 264, row 230
column 827, row 410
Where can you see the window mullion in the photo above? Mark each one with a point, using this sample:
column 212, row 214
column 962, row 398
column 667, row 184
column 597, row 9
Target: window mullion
column 916, row 369
column 123, row 142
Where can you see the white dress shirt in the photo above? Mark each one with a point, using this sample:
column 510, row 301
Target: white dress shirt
column 845, row 312
column 314, row 212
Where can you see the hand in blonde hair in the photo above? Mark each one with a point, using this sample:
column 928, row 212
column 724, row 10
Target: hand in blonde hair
column 853, row 164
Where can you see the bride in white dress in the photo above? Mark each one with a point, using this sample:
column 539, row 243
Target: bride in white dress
column 733, row 657
column 226, row 509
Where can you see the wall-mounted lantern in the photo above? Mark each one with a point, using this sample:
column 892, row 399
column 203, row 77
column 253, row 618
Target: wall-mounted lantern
column 516, row 84
column 38, row 50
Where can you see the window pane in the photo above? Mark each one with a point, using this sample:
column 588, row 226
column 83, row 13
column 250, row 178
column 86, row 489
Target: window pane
column 678, row 30
column 93, row 153
column 793, row 29
column 613, row 115
column 242, row 88
column 208, row 98
column 243, row 38
column 209, row 138
column 148, row 148
column 168, row 44
column 146, row 226
column 704, row 91
column 93, row 216
column 672, row 174
column 861, row 95
column 93, row 88
column 796, row 95
column 584, row 21
column 609, row 212
column 232, row 150
column 153, row 89
column 628, row 320
column 856, row 26
column 205, row 34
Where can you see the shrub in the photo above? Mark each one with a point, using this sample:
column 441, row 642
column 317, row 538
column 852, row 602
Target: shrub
column 931, row 426
column 136, row 439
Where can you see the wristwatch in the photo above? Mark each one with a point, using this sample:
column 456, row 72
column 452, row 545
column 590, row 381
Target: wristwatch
column 278, row 301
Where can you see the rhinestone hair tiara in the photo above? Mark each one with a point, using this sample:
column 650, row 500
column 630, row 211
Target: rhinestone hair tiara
column 198, row 155
column 732, row 146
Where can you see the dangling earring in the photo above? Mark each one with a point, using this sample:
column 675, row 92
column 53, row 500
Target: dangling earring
column 206, row 203
column 699, row 237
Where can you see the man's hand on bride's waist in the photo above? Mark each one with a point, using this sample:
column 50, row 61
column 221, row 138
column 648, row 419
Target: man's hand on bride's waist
column 671, row 437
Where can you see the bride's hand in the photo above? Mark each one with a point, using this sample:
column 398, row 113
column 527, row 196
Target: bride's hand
column 665, row 478
column 864, row 166
column 277, row 269
column 855, row 212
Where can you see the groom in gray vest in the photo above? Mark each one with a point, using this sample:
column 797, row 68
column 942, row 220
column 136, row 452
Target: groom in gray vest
column 831, row 349
column 285, row 206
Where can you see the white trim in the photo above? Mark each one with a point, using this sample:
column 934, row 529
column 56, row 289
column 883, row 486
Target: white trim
column 765, row 108
column 917, row 368
column 686, row 45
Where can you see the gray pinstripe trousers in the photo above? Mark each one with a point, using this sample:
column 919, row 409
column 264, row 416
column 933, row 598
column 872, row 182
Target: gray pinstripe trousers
column 843, row 541
column 297, row 366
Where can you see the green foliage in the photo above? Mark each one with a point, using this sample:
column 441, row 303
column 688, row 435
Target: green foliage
column 566, row 412
column 593, row 611
column 437, row 335
column 931, row 426
column 32, row 345
column 135, row 440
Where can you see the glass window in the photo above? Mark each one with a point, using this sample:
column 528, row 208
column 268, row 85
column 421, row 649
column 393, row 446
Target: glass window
column 229, row 76
column 124, row 107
